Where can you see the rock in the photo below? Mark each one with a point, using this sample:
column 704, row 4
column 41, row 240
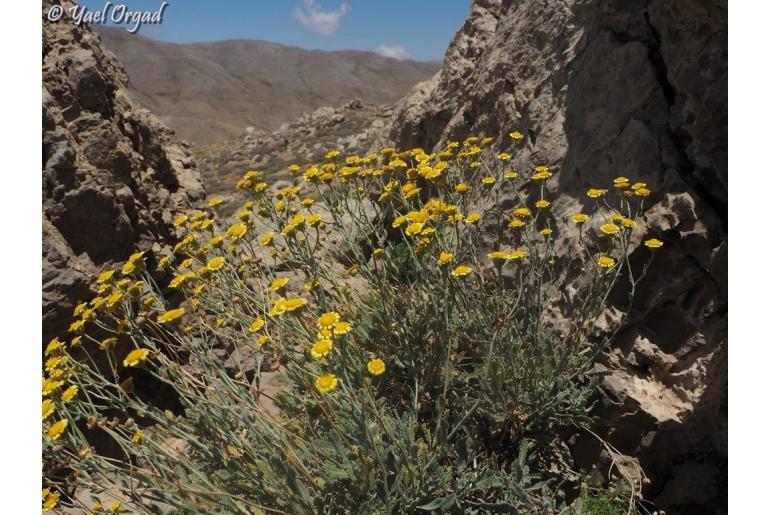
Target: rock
column 113, row 176
column 602, row 89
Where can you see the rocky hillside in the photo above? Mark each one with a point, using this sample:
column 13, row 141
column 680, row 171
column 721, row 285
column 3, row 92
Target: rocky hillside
column 603, row 89
column 349, row 128
column 209, row 92
column 113, row 175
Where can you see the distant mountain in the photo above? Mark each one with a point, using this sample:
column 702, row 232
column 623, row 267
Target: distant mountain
column 209, row 92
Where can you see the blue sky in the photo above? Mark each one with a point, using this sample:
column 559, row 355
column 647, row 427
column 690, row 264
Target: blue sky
column 420, row 29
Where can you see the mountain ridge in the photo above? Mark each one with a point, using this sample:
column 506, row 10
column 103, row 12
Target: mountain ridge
column 209, row 92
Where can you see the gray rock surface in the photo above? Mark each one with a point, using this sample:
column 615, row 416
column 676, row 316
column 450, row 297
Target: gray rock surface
column 113, row 176
column 601, row 89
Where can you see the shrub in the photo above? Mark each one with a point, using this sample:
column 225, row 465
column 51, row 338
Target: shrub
column 409, row 316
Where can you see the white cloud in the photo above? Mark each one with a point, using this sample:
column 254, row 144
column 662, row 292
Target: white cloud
column 319, row 21
column 394, row 51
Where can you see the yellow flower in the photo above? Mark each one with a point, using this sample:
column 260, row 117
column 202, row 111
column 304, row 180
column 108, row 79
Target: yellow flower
column 266, row 238
column 236, row 232
column 108, row 342
column 378, row 252
column 180, row 220
column 115, row 507
column 332, row 154
column 257, row 325
column 70, row 393
column 216, row 201
column 542, row 172
column 445, row 258
column 653, row 243
column 620, row 182
column 461, row 271
column 414, row 228
column 546, row 231
column 609, row 229
column 135, row 357
column 605, row 262
column 516, row 223
column 54, row 346
column 461, row 188
column 164, row 261
column 50, row 499
column 170, row 316
column 215, row 263
column 262, row 340
column 295, row 303
column 580, row 218
column 328, row 319
column 57, row 429
column 642, row 192
column 522, row 212
column 105, row 277
column 517, row 254
column 341, row 328
column 628, row 223
column 321, row 348
column 326, row 383
column 376, row 366
column 50, row 386
column 516, row 135
column 503, row 156
column 179, row 280
column 311, row 285
column 498, row 255
column 134, row 263
column 283, row 305
column 511, row 175
column 596, row 193
column 48, row 408
column 136, row 438
column 488, row 180
column 472, row 218
column 542, row 204
column 77, row 326
column 279, row 283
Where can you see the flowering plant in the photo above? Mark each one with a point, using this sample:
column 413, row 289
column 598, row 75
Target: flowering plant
column 406, row 309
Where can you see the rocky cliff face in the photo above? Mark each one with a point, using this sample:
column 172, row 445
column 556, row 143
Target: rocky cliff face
column 602, row 89
column 113, row 176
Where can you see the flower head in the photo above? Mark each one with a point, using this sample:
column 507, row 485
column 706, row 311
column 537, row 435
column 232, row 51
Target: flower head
column 653, row 243
column 321, row 348
column 376, row 366
column 170, row 316
column 215, row 263
column 472, row 218
column 461, row 271
column 605, row 262
column 596, row 193
column 57, row 429
column 326, row 383
column 136, row 357
column 70, row 393
column 328, row 319
column 609, row 229
column 580, row 218
column 48, row 408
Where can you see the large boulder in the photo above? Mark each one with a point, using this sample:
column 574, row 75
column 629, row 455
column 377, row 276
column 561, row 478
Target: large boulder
column 113, row 176
column 602, row 89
